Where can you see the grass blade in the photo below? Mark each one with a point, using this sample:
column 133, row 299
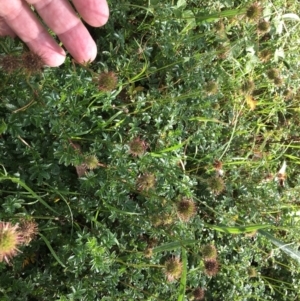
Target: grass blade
column 174, row 245
column 112, row 208
column 172, row 148
column 51, row 250
column 282, row 245
column 238, row 229
column 204, row 119
column 182, row 285
column 21, row 183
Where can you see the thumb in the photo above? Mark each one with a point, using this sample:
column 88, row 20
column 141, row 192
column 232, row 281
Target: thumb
column 5, row 30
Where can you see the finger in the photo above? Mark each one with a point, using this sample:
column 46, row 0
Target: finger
column 61, row 18
column 5, row 30
column 20, row 18
column 94, row 12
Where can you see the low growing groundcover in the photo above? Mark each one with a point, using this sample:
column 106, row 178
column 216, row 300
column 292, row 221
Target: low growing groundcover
column 167, row 169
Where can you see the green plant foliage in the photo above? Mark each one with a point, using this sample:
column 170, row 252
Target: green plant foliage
column 180, row 104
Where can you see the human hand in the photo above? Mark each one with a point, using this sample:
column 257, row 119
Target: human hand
column 17, row 18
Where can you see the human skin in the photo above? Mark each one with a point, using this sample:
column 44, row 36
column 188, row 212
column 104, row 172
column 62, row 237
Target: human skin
column 18, row 18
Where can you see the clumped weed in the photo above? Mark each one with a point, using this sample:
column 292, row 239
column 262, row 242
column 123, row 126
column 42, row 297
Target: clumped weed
column 136, row 175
